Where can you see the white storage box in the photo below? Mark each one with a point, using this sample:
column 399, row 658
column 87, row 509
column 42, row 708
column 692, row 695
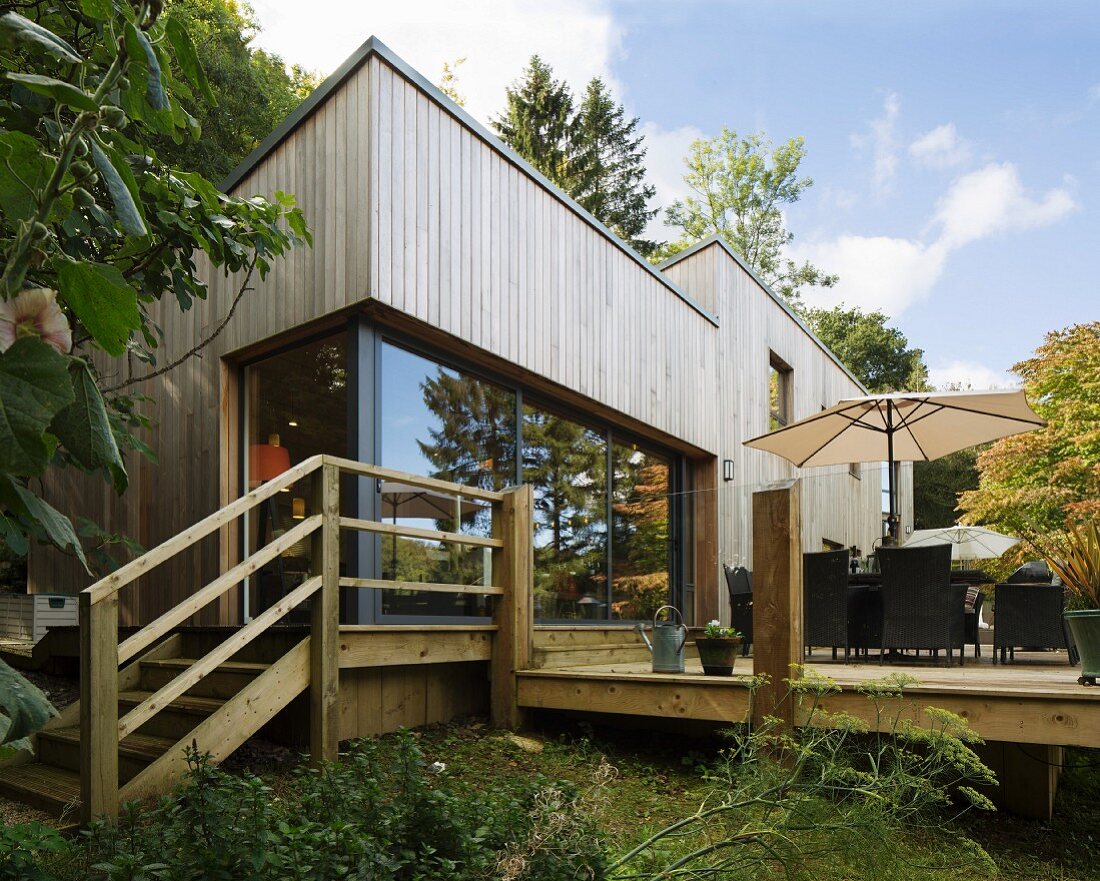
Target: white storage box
column 26, row 616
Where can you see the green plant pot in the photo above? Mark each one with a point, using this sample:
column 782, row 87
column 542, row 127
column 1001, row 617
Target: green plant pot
column 1085, row 625
column 718, row 655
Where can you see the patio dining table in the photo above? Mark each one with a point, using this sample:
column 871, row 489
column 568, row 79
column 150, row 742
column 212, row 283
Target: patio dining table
column 865, row 603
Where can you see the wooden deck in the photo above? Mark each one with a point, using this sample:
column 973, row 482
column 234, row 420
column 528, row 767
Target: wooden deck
column 1035, row 700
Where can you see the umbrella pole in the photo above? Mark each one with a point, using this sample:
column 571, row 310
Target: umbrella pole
column 892, row 522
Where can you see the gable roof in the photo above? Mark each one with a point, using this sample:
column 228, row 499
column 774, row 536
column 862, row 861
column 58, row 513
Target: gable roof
column 375, row 47
column 716, row 239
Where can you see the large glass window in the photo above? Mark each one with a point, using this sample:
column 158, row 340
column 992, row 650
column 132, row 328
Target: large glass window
column 566, row 463
column 296, row 405
column 640, row 520
column 442, row 423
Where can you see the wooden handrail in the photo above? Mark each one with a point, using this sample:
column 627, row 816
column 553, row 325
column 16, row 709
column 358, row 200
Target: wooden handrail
column 183, row 540
column 350, row 466
column 477, row 541
column 198, row 600
column 426, row 586
column 102, row 655
column 197, row 671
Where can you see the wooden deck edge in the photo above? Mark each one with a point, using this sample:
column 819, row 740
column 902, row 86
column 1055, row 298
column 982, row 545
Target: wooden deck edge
column 392, row 648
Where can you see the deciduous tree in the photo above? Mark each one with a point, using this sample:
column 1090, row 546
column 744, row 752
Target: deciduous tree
column 1038, row 481
column 741, row 184
column 878, row 354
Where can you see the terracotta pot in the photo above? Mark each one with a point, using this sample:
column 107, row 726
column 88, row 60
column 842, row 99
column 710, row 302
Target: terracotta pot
column 718, row 655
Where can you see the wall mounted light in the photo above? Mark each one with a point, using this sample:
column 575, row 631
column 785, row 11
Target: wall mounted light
column 298, row 508
column 727, row 469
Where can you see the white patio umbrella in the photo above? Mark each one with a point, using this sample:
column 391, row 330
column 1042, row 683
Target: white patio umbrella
column 900, row 427
column 967, row 542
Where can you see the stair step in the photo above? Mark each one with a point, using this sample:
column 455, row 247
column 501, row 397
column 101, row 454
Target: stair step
column 176, row 719
column 61, row 747
column 46, row 787
column 223, row 682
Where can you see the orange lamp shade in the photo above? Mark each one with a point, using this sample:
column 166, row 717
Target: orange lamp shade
column 266, row 462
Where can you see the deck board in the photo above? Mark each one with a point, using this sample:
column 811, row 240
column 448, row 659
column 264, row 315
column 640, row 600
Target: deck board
column 1034, row 700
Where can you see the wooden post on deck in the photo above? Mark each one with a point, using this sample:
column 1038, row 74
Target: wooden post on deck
column 776, row 597
column 98, row 707
column 513, row 569
column 324, row 639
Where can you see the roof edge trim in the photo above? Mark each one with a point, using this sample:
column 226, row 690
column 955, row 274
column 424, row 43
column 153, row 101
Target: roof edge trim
column 716, row 239
column 374, row 46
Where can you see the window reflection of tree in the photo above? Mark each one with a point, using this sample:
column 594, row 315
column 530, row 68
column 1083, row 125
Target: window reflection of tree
column 640, row 533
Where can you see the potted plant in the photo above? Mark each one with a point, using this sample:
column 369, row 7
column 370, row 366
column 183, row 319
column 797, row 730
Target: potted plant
column 718, row 647
column 1076, row 561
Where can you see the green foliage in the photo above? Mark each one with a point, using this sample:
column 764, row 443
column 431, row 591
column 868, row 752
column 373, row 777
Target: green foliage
column 741, row 185
column 23, row 709
column 592, row 150
column 1038, row 482
column 878, row 354
column 21, row 847
column 795, row 803
column 212, row 50
column 95, row 228
column 938, row 484
column 379, row 813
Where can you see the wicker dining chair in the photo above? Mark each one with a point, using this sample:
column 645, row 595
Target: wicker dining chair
column 825, row 601
column 921, row 609
column 739, row 585
column 1029, row 616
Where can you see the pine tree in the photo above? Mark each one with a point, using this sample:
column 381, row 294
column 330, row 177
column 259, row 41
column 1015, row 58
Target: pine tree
column 610, row 180
column 593, row 152
column 540, row 124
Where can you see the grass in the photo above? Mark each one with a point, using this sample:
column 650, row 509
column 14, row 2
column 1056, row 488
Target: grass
column 660, row 779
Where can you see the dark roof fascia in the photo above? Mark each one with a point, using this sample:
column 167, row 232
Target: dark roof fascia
column 716, row 239
column 374, row 46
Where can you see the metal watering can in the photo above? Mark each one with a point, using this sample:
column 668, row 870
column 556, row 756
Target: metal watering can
column 669, row 639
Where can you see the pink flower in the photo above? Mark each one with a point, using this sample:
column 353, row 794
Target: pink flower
column 34, row 312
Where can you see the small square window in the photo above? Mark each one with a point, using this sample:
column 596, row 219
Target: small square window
column 856, row 470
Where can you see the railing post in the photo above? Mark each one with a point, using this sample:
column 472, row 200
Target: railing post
column 776, row 597
column 513, row 568
column 324, row 672
column 98, row 707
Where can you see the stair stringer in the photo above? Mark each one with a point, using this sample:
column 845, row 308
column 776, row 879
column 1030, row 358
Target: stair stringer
column 220, row 733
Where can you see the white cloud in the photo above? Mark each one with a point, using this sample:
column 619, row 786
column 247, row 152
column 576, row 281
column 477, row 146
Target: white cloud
column 992, row 200
column 940, row 148
column 892, row 274
column 665, row 152
column 578, row 38
column 876, row 272
column 883, row 142
column 970, row 374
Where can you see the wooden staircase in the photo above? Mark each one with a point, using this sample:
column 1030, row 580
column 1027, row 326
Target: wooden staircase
column 145, row 699
column 153, row 755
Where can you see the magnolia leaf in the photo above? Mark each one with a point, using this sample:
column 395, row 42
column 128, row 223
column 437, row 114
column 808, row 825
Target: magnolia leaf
column 102, row 299
column 144, row 67
column 29, row 172
column 123, row 188
column 13, row 536
column 188, row 58
column 34, row 386
column 83, row 426
column 59, row 90
column 100, row 9
column 23, row 707
column 15, row 28
column 56, row 526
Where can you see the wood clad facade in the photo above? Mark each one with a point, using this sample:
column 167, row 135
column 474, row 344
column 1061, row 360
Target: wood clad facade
column 425, row 223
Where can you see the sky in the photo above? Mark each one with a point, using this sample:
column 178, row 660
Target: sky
column 953, row 145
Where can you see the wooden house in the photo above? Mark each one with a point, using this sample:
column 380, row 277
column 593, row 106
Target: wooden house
column 478, row 436
column 460, row 317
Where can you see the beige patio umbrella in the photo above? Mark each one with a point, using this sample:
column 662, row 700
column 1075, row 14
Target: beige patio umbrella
column 967, row 542
column 900, row 427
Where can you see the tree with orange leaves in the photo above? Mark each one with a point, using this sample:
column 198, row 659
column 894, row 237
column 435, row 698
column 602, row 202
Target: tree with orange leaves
column 1039, row 481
